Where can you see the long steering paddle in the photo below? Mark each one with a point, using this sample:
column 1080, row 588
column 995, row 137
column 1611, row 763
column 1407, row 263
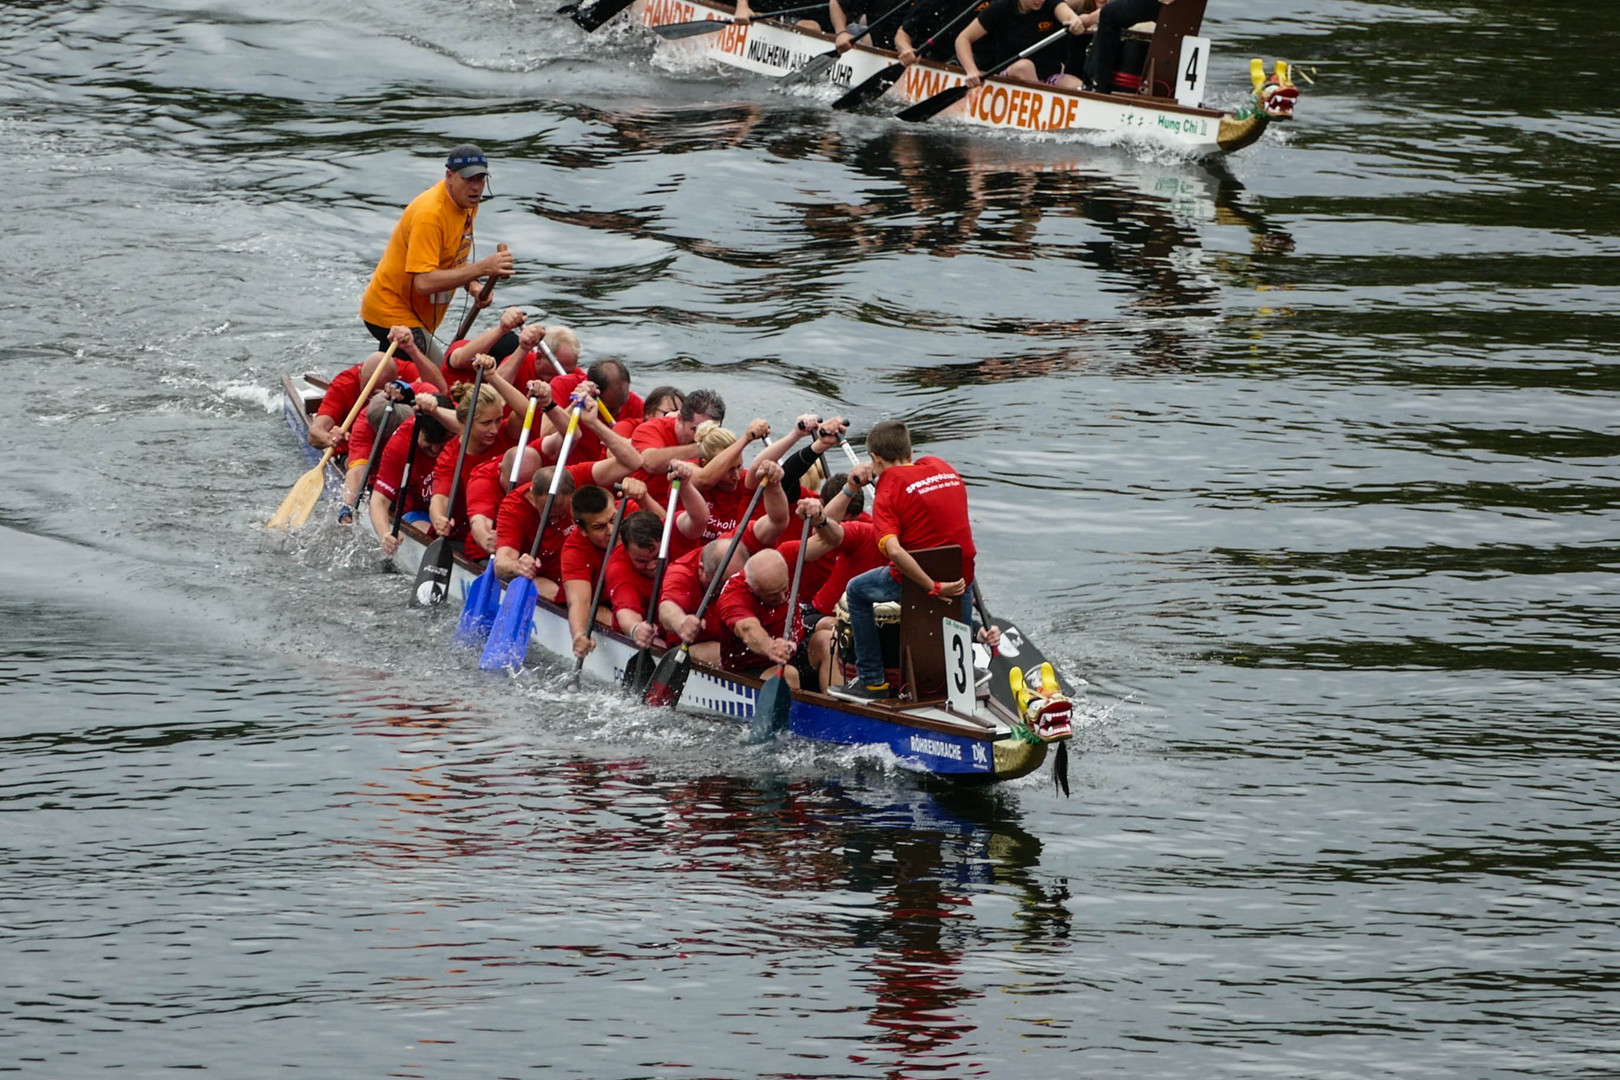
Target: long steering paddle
column 483, row 301
column 295, row 508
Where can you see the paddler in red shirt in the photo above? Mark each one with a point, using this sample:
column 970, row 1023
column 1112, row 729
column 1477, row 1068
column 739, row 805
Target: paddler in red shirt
column 408, row 363
column 584, row 551
column 674, row 438
column 754, row 617
column 916, row 505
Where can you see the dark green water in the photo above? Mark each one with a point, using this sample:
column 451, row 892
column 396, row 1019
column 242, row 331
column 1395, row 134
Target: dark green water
column 1306, row 461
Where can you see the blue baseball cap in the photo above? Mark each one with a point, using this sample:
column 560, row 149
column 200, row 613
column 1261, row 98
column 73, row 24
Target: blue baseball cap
column 467, row 161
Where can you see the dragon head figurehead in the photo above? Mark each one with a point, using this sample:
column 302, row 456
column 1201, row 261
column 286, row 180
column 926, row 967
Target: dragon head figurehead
column 1274, row 99
column 1276, row 95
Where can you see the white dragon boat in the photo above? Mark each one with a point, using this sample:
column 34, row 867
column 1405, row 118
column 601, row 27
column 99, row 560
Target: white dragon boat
column 1168, row 111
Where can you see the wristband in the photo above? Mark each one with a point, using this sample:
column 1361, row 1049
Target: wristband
column 851, row 492
column 933, row 590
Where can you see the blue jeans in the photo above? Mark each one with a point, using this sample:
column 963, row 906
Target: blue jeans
column 877, row 587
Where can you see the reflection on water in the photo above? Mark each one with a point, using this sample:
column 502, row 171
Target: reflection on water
column 1304, row 460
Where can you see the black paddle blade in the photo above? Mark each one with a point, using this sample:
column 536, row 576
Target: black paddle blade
column 638, row 672
column 433, row 576
column 812, row 69
column 1060, row 769
column 671, row 31
column 871, row 89
column 771, row 710
column 670, row 678
column 928, row 108
column 591, row 16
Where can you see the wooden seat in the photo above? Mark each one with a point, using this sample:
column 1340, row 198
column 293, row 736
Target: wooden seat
column 922, row 642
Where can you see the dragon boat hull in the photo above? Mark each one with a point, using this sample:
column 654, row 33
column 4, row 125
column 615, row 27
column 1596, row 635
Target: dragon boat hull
column 923, row 738
column 774, row 48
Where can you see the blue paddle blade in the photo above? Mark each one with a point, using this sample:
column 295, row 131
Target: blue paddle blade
column 478, row 613
column 509, row 635
column 771, row 710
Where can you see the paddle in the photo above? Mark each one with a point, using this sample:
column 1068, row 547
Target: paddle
column 878, row 83
column 640, row 668
column 478, row 612
column 670, row 678
column 483, row 301
column 509, row 634
column 821, row 63
column 601, row 582
column 390, row 424
column 607, row 416
column 714, row 26
column 433, row 576
column 295, row 508
column 591, row 16
column 929, row 107
column 405, row 480
column 775, row 705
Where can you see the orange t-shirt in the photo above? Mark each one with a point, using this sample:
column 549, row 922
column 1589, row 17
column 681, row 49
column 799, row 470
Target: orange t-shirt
column 433, row 234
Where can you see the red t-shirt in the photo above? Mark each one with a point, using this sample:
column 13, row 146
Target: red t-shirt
column 924, row 505
column 486, row 488
column 581, row 560
column 856, row 555
column 736, row 603
column 391, row 469
column 815, row 572
column 627, row 589
column 362, row 435
column 683, row 586
column 444, row 471
column 655, row 435
column 344, row 389
column 517, row 519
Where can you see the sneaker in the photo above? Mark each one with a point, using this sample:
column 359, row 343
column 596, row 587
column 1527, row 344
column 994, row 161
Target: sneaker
column 858, row 692
column 345, row 515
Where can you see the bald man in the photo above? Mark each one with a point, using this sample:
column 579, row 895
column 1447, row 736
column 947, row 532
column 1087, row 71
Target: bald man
column 754, row 624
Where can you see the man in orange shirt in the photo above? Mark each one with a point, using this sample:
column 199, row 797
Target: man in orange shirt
column 426, row 257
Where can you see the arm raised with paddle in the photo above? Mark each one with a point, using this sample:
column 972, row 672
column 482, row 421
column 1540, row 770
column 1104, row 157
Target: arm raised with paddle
column 508, row 642
column 876, row 84
column 670, row 677
column 300, row 501
column 743, row 17
column 930, row 107
column 818, row 65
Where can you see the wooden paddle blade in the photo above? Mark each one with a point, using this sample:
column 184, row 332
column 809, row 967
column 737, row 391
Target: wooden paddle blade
column 508, row 643
column 638, row 672
column 433, row 576
column 295, row 508
column 772, row 710
column 591, row 16
column 671, row 31
column 928, row 108
column 871, row 89
column 478, row 613
column 670, row 678
column 811, row 70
